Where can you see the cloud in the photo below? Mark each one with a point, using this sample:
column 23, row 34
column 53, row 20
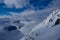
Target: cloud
column 31, row 14
column 1, row 1
column 25, row 3
column 5, row 16
column 34, row 4
column 54, row 4
column 15, row 3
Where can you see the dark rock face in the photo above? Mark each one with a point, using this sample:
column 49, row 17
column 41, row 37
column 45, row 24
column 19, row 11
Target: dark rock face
column 10, row 28
column 57, row 22
column 58, row 39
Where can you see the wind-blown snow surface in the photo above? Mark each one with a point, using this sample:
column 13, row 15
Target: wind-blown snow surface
column 46, row 30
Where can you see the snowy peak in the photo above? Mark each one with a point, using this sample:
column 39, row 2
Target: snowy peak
column 50, row 20
column 47, row 26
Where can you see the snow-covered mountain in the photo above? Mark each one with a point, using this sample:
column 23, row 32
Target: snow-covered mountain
column 47, row 29
column 32, row 26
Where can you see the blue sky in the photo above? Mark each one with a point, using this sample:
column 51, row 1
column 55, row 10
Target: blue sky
column 32, row 4
column 17, row 6
column 5, row 10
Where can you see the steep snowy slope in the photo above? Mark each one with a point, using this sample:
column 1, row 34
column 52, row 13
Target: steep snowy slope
column 31, row 20
column 49, row 27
